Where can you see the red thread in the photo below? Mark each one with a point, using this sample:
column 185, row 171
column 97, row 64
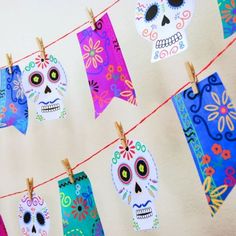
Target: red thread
column 135, row 126
column 62, row 37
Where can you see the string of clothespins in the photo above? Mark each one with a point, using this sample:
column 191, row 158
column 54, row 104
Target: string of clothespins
column 122, row 135
column 42, row 47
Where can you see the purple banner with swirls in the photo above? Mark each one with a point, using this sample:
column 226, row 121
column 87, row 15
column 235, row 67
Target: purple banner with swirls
column 106, row 69
column 208, row 120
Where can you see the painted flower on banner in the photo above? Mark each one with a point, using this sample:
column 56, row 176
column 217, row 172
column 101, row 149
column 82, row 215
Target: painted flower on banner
column 129, row 151
column 115, row 73
column 216, row 149
column 229, row 14
column 41, row 62
column 102, row 99
column 18, row 87
column 80, row 208
column 226, row 154
column 206, row 159
column 210, row 171
column 214, row 194
column 129, row 93
column 223, row 110
column 94, row 86
column 92, row 51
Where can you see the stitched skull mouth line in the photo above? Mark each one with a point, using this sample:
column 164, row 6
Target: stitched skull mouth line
column 144, row 213
column 163, row 43
column 50, row 108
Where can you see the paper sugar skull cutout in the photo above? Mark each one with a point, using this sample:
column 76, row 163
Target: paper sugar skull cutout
column 45, row 84
column 163, row 22
column 33, row 216
column 135, row 177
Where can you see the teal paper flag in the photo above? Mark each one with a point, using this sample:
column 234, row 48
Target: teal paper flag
column 79, row 212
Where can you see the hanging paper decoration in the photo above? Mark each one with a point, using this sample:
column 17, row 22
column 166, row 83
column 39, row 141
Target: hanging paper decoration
column 134, row 174
column 164, row 24
column 45, row 84
column 33, row 216
column 228, row 16
column 78, row 207
column 13, row 103
column 106, row 69
column 3, row 231
column 209, row 121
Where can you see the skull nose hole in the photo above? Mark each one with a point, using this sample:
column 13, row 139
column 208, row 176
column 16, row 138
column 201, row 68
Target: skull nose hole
column 47, row 90
column 33, row 229
column 137, row 188
column 165, row 21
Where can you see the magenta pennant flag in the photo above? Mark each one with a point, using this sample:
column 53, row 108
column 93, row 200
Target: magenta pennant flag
column 3, row 231
column 105, row 65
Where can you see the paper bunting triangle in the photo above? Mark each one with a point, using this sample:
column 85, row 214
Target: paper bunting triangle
column 3, row 231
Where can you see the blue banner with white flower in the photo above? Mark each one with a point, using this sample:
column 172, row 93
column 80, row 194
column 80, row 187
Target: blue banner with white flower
column 13, row 103
column 208, row 120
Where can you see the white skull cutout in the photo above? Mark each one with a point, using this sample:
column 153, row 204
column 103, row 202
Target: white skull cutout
column 33, row 216
column 45, row 83
column 163, row 22
column 134, row 174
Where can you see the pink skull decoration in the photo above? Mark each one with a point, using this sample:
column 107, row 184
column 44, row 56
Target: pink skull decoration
column 163, row 22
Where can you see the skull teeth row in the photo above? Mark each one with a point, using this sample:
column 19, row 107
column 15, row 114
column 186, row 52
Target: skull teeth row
column 144, row 213
column 50, row 108
column 169, row 41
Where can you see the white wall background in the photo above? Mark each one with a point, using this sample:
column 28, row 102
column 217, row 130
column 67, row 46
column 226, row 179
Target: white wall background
column 182, row 206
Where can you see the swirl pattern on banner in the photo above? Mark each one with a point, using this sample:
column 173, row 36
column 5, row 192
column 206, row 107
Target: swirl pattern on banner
column 209, row 122
column 107, row 73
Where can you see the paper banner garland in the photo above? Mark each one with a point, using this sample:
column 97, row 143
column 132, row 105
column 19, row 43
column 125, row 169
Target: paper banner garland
column 228, row 16
column 134, row 174
column 13, row 103
column 3, row 231
column 105, row 66
column 45, row 84
column 164, row 23
column 33, row 216
column 209, row 121
column 79, row 213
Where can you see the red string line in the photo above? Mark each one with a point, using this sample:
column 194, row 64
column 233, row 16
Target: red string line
column 63, row 36
column 131, row 129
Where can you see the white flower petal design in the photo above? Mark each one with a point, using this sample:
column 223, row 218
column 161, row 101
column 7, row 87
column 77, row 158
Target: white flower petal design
column 221, row 124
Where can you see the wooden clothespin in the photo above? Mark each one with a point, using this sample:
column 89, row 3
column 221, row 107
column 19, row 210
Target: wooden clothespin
column 192, row 76
column 41, row 47
column 121, row 134
column 30, row 187
column 92, row 19
column 69, row 171
column 9, row 62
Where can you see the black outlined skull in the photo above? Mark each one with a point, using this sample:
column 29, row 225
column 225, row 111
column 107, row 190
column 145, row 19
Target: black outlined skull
column 45, row 83
column 163, row 22
column 135, row 177
column 33, row 216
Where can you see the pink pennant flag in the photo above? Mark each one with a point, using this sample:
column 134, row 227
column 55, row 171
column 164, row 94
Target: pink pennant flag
column 105, row 65
column 3, row 231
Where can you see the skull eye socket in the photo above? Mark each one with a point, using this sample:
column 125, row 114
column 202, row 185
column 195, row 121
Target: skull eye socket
column 36, row 79
column 176, row 3
column 27, row 217
column 142, row 168
column 125, row 174
column 40, row 219
column 152, row 12
column 54, row 75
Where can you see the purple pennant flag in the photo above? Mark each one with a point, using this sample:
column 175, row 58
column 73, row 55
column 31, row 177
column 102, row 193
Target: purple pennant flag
column 105, row 66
